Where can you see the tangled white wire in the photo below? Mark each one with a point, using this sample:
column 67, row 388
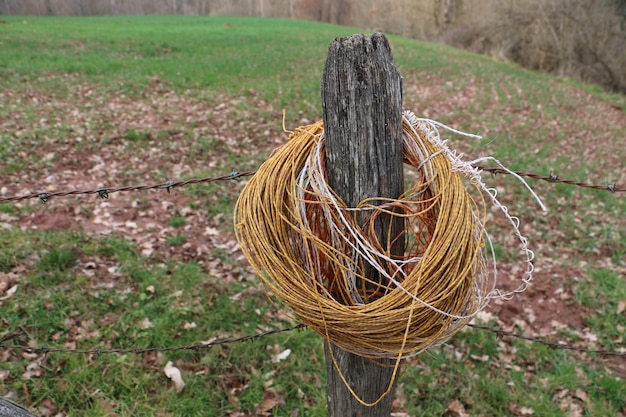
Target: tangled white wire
column 429, row 128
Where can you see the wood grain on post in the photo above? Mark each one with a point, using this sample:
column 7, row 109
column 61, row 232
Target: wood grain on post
column 362, row 112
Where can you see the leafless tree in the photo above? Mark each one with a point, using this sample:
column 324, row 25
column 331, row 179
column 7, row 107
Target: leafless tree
column 576, row 38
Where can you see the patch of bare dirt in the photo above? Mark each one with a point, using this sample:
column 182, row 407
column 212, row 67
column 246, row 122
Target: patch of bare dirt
column 51, row 221
column 546, row 307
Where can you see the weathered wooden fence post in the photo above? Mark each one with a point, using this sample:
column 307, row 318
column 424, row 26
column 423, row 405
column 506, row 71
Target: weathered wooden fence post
column 11, row 409
column 362, row 111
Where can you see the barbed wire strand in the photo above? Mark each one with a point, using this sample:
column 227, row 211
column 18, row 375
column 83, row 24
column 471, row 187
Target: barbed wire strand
column 195, row 346
column 553, row 178
column 225, row 341
column 103, row 192
column 548, row 343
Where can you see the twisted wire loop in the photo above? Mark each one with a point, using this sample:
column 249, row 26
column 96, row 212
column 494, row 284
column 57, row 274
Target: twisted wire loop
column 312, row 254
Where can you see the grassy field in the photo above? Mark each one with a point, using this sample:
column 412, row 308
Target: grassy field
column 93, row 102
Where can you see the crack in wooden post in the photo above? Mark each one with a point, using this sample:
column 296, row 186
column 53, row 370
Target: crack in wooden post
column 362, row 112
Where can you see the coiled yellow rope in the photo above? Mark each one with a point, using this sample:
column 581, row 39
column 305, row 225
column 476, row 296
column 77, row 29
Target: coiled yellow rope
column 311, row 253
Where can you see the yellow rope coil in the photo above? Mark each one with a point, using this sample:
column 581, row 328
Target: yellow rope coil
column 311, row 252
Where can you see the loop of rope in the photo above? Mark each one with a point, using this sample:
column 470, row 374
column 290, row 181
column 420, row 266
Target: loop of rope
column 311, row 253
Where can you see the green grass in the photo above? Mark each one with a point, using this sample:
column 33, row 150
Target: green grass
column 204, row 94
column 177, row 240
column 602, row 294
column 177, row 221
column 236, row 54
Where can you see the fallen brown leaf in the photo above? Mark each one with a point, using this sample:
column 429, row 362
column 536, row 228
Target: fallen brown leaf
column 271, row 399
column 456, row 409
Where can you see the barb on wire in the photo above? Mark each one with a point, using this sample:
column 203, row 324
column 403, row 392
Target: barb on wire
column 103, row 192
column 552, row 177
column 195, row 346
column 550, row 344
column 217, row 342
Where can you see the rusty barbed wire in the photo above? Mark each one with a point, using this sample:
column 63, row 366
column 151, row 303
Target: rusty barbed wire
column 103, row 192
column 195, row 346
column 217, row 342
column 548, row 343
column 553, row 178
